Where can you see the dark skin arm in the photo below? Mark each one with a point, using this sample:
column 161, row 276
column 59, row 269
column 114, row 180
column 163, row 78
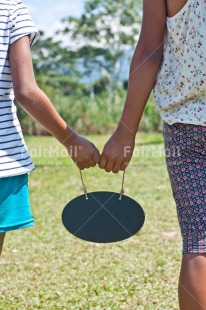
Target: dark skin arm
column 143, row 71
column 38, row 105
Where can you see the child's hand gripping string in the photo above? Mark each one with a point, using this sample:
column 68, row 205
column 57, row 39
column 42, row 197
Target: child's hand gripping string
column 118, row 150
column 38, row 105
column 83, row 152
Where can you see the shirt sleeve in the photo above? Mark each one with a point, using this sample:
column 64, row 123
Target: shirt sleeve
column 22, row 24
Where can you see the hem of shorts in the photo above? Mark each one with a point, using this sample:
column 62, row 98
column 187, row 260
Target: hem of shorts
column 16, row 174
column 18, row 226
column 194, row 245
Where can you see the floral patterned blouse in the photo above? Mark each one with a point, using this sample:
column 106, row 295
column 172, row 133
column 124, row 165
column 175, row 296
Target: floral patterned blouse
column 180, row 86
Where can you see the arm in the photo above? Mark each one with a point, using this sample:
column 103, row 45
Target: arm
column 143, row 71
column 38, row 105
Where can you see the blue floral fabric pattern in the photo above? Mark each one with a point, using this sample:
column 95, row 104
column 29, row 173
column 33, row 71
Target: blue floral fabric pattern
column 185, row 153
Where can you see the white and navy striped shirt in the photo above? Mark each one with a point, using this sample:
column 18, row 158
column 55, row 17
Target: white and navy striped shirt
column 15, row 22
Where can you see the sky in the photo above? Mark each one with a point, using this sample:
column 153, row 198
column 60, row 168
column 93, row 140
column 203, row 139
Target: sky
column 47, row 14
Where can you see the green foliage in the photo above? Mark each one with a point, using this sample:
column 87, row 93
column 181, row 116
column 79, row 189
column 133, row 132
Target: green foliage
column 49, row 55
column 100, row 85
column 90, row 116
column 102, row 34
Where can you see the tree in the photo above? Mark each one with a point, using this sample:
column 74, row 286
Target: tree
column 103, row 34
column 54, row 65
column 51, row 55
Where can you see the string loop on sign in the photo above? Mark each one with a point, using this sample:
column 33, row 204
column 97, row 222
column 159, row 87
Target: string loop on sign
column 122, row 189
column 85, row 189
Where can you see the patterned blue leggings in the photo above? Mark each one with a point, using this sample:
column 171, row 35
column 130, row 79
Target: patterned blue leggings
column 185, row 152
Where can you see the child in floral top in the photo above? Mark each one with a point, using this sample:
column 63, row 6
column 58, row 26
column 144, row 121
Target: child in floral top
column 170, row 59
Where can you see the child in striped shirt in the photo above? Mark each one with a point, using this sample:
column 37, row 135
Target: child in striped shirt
column 17, row 34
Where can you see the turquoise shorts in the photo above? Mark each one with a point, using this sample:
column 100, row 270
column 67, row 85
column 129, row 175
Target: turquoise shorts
column 14, row 203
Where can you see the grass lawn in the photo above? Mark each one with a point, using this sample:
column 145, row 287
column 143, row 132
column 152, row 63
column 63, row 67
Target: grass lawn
column 45, row 267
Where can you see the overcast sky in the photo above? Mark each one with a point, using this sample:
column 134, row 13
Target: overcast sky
column 47, row 14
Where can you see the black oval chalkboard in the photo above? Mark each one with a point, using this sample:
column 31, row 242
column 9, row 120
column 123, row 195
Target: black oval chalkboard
column 103, row 217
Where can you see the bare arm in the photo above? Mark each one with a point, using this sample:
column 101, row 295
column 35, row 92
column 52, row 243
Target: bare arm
column 38, row 105
column 143, row 71
column 145, row 63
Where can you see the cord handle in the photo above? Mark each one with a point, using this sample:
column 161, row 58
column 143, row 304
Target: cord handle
column 85, row 189
column 83, row 185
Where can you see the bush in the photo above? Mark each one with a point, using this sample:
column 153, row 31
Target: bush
column 92, row 116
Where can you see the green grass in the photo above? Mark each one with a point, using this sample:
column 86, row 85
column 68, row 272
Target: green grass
column 45, row 267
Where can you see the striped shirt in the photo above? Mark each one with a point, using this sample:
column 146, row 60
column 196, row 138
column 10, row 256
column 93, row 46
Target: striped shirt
column 15, row 22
